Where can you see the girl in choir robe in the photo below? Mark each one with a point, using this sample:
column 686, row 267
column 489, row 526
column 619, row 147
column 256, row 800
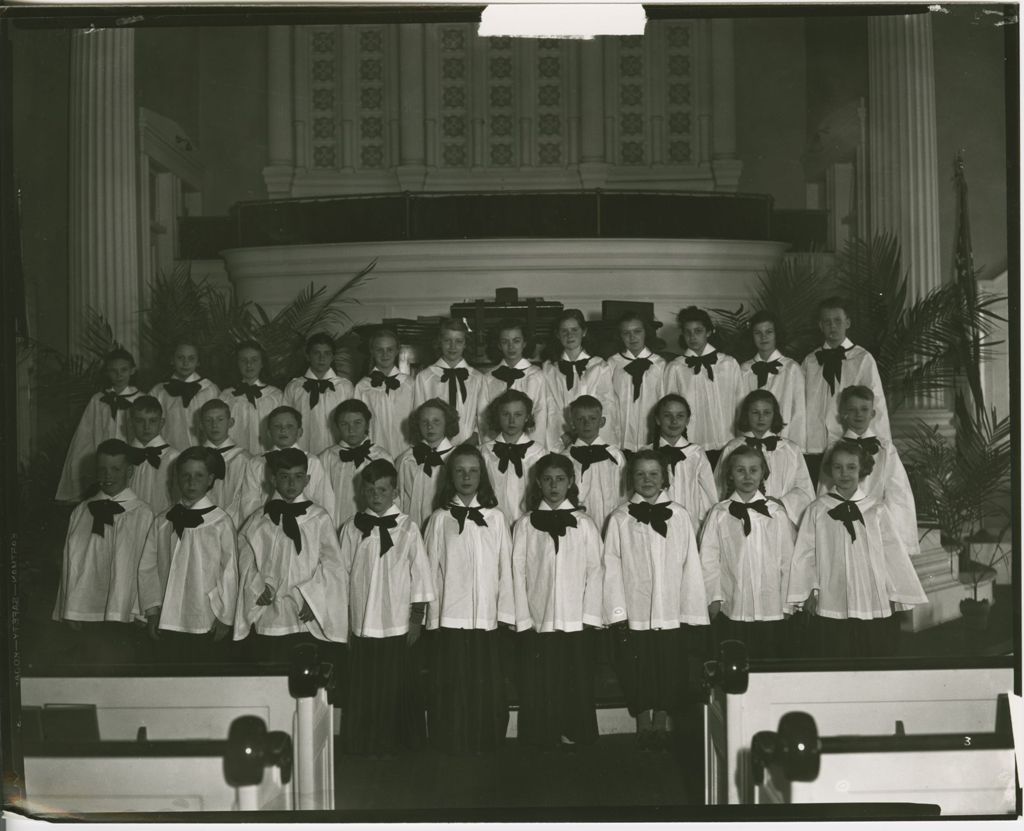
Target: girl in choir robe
column 573, row 372
column 690, row 480
column 316, row 393
column 600, row 469
column 153, row 458
column 250, row 400
column 708, row 379
column 389, row 585
column 558, row 580
column 511, row 456
column 182, row 395
column 850, row 570
column 293, row 587
column 772, row 371
column 343, row 461
column 760, row 425
column 451, row 379
column 388, row 393
column 104, row 417
column 515, row 372
column 746, row 546
column 421, row 467
column 470, row 552
column 638, row 377
column 216, row 423
column 653, row 598
column 188, row 571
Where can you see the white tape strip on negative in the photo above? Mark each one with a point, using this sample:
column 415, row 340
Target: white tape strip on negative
column 562, row 20
column 1017, row 724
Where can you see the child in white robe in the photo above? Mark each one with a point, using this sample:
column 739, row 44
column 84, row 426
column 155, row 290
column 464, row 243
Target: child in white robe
column 250, row 400
column 421, row 467
column 215, row 422
column 638, row 378
column 388, row 393
column 517, row 373
column 343, row 461
column 511, row 456
column 316, row 393
column 451, row 379
column 182, row 395
column 104, row 417
column 600, row 469
column 153, row 458
column 783, row 377
column 470, row 552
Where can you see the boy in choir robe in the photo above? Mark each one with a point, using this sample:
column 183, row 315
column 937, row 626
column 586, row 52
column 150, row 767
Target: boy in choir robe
column 250, row 400
column 285, row 426
column 708, row 379
column 316, row 393
column 153, row 458
column 389, row 585
column 451, row 379
column 421, row 467
column 216, row 422
column 638, row 378
column 343, row 461
column 182, row 395
column 690, row 480
column 188, row 572
column 783, row 377
column 515, row 372
column 600, row 469
column 104, row 417
column 388, row 393
column 510, row 457
column 293, row 587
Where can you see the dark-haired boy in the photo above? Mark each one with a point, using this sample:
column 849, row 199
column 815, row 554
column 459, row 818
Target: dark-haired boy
column 316, row 393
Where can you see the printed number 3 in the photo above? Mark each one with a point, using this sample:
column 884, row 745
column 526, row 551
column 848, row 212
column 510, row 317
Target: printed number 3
column 967, row 741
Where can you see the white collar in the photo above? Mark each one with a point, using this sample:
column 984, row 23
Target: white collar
column 858, row 495
column 195, row 376
column 156, row 441
column 846, row 344
column 769, row 434
column 523, row 439
column 565, row 506
column 390, row 374
column 775, row 356
column 735, row 497
column 444, row 445
column 708, row 349
column 330, row 375
column 594, row 443
column 583, row 356
column 226, row 442
column 255, row 383
column 473, row 503
column 201, row 503
column 300, row 498
column 125, row 495
column 129, row 390
column 867, row 434
column 391, row 511
column 344, row 445
column 662, row 497
column 442, row 364
column 522, row 363
column 644, row 353
column 664, row 442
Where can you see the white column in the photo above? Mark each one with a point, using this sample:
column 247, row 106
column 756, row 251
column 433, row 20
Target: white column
column 103, row 229
column 412, row 165
column 593, row 165
column 280, row 169
column 725, row 167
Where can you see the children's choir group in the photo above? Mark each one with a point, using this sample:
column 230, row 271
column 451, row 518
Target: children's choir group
column 585, row 493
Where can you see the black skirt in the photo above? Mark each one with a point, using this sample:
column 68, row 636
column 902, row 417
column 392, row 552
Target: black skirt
column 852, row 637
column 763, row 638
column 556, row 688
column 468, row 712
column 374, row 720
column 655, row 666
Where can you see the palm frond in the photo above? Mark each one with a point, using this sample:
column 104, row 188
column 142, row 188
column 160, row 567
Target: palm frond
column 732, row 332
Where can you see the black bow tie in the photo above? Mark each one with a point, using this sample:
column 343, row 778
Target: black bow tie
column 366, row 523
column 554, row 522
column 181, row 517
column 103, row 511
column 461, row 512
column 358, row 454
column 670, row 454
column 514, row 453
column 636, row 369
column 508, row 374
column 116, row 401
column 185, row 390
column 846, row 512
column 389, row 382
column 695, row 362
column 762, row 369
column 656, row 515
column 428, row 457
column 567, row 367
column 768, row 443
column 455, row 377
column 741, row 510
column 138, row 455
column 590, row 454
column 317, row 387
column 831, row 361
column 870, row 443
column 250, row 391
column 220, row 463
column 285, row 515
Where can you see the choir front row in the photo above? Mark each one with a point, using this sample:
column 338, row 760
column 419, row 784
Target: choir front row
column 470, row 540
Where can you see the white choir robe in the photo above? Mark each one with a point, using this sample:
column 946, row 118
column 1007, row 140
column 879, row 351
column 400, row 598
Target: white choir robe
column 596, row 382
column 315, row 576
column 428, row 384
column 859, row 369
column 181, row 423
column 856, row 579
column 225, row 492
column 317, row 430
column 788, row 479
column 417, row 492
column 652, row 581
column 99, row 575
column 157, row 487
column 712, row 403
column 603, row 486
column 258, row 486
column 510, row 489
column 748, row 574
column 787, row 385
column 634, row 417
column 557, row 592
column 691, row 482
column 250, row 430
column 193, row 579
column 345, row 482
column 533, row 385
column 889, row 484
column 381, row 589
column 96, row 426
column 389, row 411
column 472, row 571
